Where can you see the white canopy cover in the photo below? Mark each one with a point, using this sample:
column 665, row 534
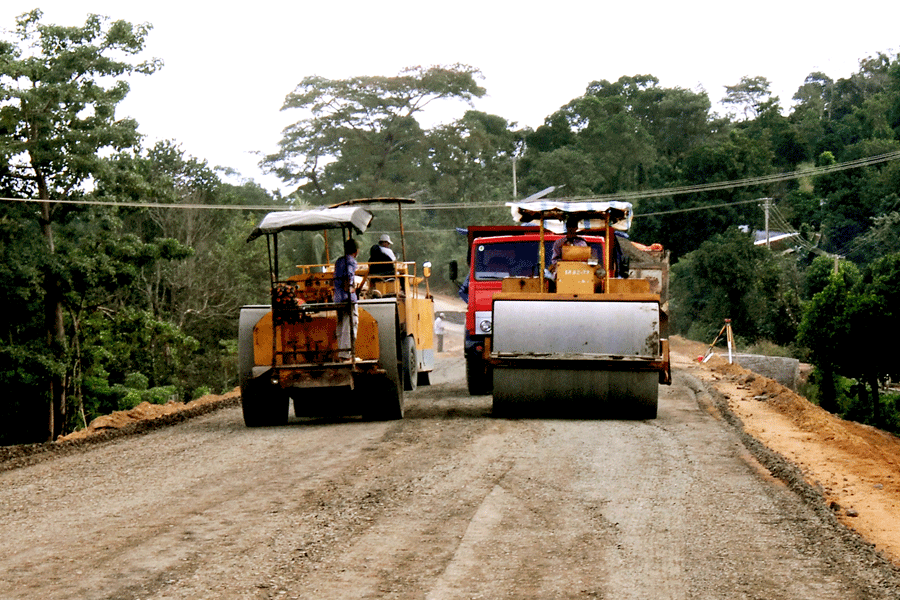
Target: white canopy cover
column 313, row 220
column 591, row 215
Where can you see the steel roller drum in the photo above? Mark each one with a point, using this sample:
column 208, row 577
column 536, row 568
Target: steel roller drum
column 583, row 327
column 579, row 330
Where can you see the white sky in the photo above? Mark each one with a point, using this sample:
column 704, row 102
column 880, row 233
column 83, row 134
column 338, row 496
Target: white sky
column 229, row 66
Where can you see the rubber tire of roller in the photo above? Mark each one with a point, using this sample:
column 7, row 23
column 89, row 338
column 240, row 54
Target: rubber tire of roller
column 410, row 364
column 384, row 398
column 263, row 404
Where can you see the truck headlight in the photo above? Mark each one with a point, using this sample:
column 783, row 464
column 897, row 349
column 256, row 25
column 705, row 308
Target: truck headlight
column 485, row 326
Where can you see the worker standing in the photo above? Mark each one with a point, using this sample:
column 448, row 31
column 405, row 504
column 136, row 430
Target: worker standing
column 439, row 332
column 346, row 290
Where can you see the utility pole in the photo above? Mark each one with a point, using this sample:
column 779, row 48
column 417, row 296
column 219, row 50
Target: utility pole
column 766, row 204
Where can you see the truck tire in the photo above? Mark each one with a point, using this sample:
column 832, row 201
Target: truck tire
column 479, row 377
column 263, row 404
column 410, row 364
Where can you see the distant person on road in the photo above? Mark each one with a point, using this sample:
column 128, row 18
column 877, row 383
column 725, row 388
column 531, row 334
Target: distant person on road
column 346, row 290
column 439, row 332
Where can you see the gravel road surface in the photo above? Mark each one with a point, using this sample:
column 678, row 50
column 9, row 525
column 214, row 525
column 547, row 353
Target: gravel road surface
column 449, row 503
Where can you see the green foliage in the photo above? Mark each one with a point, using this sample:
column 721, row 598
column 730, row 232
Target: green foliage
column 471, row 159
column 853, row 402
column 201, row 391
column 59, row 87
column 849, row 327
column 724, row 157
column 619, row 136
column 752, row 96
column 136, row 389
column 24, row 370
column 362, row 137
column 821, row 270
column 60, row 97
column 824, row 330
column 728, row 277
column 768, row 348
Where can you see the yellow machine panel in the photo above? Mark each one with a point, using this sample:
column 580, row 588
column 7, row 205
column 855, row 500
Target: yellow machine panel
column 422, row 312
column 528, row 285
column 629, row 286
column 574, row 278
column 311, row 339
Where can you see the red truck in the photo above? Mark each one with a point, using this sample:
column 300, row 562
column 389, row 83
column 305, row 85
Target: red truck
column 496, row 252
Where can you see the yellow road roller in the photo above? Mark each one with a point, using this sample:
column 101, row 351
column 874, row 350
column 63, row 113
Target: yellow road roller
column 291, row 350
column 580, row 338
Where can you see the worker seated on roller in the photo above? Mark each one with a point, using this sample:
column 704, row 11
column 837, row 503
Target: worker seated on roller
column 572, row 239
column 382, row 258
column 382, row 268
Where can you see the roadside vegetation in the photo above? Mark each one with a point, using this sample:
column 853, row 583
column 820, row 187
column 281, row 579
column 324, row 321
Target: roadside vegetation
column 123, row 274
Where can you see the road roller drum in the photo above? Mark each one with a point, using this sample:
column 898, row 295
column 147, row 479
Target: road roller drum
column 590, row 356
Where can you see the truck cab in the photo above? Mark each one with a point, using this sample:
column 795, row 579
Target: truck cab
column 501, row 258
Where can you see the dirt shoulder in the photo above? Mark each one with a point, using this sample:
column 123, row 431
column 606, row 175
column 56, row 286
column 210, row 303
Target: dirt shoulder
column 855, row 467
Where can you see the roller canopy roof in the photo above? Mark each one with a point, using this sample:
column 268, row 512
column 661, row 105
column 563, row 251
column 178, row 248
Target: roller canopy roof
column 314, row 220
column 591, row 215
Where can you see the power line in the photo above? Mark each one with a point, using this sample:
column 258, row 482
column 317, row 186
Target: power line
column 760, row 180
column 148, row 204
column 781, row 223
column 622, row 196
column 696, row 208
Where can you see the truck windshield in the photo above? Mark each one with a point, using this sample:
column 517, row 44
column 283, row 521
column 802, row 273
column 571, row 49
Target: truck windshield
column 494, row 261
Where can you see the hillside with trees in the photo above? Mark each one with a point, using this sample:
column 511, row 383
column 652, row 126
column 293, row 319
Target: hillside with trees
column 124, row 265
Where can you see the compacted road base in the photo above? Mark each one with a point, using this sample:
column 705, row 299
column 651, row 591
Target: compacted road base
column 449, row 503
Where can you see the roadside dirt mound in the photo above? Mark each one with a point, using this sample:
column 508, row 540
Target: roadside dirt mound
column 855, row 467
column 146, row 411
column 140, row 419
column 863, row 440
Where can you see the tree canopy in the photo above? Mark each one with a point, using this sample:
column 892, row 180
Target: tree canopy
column 361, row 135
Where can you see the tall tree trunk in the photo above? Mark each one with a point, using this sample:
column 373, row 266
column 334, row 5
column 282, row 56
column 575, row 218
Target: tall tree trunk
column 827, row 391
column 877, row 418
column 56, row 331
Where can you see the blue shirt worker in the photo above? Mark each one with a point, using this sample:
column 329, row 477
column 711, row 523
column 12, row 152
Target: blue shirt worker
column 346, row 292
